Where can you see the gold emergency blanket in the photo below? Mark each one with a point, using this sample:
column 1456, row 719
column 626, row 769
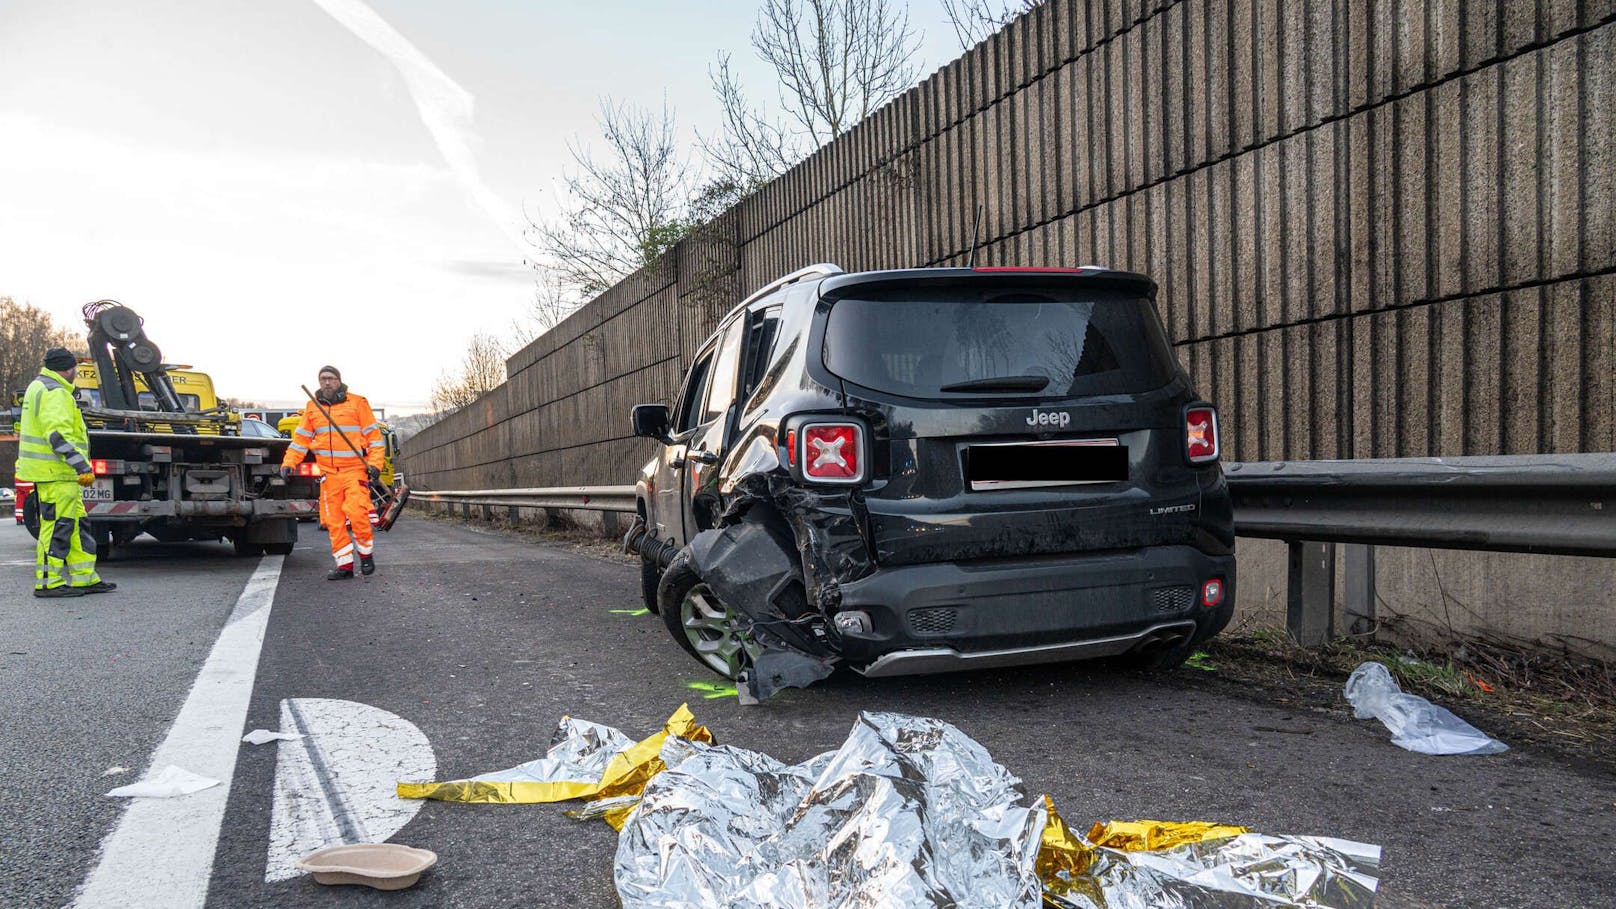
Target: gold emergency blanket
column 907, row 812
column 585, row 761
column 1200, row 865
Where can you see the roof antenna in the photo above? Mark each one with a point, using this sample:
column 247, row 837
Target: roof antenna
column 975, row 227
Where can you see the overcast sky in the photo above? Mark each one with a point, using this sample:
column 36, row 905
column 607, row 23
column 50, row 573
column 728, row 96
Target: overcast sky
column 280, row 184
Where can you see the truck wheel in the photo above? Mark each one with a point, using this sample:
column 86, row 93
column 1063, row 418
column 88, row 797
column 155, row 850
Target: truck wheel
column 244, row 548
column 279, row 548
column 704, row 625
column 102, row 533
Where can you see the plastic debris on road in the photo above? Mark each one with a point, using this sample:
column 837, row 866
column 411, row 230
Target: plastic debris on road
column 167, row 783
column 261, row 736
column 1415, row 723
column 908, row 812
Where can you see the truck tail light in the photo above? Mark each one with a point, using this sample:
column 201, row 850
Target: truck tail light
column 1201, row 434
column 1212, row 593
column 308, row 469
column 833, row 452
column 106, row 467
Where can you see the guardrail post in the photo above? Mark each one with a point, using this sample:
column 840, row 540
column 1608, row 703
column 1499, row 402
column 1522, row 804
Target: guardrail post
column 1360, row 582
column 1309, row 612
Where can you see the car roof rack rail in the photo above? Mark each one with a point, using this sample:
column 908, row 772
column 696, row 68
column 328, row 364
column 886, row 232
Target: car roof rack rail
column 818, row 270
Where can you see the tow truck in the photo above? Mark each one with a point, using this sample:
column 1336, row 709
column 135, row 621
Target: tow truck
column 172, row 462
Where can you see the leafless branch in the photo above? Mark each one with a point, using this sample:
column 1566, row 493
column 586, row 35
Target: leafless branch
column 551, row 302
column 622, row 210
column 835, row 62
column 975, row 20
column 481, row 371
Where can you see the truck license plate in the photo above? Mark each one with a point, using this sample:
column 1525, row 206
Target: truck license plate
column 99, row 491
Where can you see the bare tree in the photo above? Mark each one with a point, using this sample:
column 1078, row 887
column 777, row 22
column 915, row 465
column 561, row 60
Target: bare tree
column 836, row 61
column 623, row 210
column 975, row 20
column 26, row 332
column 481, row 371
column 551, row 302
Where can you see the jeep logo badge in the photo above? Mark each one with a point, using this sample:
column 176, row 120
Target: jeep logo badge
column 1048, row 418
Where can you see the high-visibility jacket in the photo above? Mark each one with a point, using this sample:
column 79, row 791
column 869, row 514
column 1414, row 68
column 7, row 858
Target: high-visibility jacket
column 52, row 440
column 314, row 435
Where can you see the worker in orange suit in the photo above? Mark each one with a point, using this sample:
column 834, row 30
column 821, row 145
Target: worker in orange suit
column 346, row 474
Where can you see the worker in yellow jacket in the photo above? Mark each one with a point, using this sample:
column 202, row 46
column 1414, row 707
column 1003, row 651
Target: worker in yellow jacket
column 346, row 474
column 53, row 453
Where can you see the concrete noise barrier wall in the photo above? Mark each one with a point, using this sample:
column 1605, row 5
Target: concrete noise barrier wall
column 1382, row 228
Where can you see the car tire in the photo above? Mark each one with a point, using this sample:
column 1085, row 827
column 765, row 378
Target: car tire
column 278, row 548
column 700, row 622
column 244, row 548
column 650, row 577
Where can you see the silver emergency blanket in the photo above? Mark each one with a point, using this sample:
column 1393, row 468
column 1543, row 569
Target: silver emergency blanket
column 909, row 812
column 1249, row 871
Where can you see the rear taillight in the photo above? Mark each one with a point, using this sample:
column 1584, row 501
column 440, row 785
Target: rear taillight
column 1212, row 593
column 106, row 467
column 308, row 469
column 832, row 452
column 791, row 446
column 1201, row 434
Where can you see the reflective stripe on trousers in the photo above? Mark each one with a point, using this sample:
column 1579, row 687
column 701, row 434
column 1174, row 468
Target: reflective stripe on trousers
column 345, row 499
column 65, row 551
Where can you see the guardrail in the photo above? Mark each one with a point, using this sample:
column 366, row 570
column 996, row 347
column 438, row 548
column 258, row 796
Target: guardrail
column 1554, row 504
column 583, row 498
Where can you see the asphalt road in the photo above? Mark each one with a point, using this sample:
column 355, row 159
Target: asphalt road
column 483, row 641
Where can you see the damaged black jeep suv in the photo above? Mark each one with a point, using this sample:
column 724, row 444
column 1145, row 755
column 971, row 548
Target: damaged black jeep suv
column 935, row 469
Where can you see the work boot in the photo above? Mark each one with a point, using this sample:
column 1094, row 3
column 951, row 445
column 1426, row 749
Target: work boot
column 99, row 587
column 51, row 593
column 367, row 564
column 340, row 573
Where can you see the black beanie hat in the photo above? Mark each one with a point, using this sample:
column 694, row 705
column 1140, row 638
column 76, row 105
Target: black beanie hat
column 60, row 358
column 330, row 369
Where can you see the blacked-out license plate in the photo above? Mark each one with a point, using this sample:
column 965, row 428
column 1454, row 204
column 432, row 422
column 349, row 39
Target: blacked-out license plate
column 1023, row 465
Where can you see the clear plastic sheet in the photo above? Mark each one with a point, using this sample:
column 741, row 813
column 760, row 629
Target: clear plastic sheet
column 1416, row 724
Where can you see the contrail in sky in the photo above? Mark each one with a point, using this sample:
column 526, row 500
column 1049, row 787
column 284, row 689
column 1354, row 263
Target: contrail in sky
column 445, row 107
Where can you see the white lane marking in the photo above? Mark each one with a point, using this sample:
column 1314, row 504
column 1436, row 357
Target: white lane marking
column 337, row 784
column 160, row 856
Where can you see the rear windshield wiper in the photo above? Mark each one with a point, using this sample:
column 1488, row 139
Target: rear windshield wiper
column 1000, row 383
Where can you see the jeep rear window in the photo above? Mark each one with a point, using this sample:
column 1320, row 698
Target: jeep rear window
column 918, row 342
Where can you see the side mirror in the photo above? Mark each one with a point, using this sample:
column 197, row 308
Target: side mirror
column 651, row 421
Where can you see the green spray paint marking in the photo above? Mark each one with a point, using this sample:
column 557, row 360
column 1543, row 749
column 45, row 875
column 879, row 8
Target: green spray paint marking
column 640, row 611
column 713, row 689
